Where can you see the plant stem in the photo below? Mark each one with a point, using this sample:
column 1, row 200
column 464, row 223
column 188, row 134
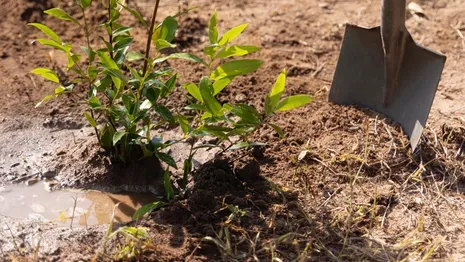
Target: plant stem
column 110, row 36
column 95, row 128
column 149, row 38
column 86, row 30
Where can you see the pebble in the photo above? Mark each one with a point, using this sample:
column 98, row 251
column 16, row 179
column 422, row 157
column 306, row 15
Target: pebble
column 323, row 5
column 14, row 165
column 49, row 173
column 32, row 181
column 240, row 97
column 50, row 185
column 47, row 122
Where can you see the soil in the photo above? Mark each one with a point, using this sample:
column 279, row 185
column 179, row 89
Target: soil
column 343, row 185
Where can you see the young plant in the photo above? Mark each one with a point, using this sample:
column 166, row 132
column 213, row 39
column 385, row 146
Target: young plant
column 127, row 90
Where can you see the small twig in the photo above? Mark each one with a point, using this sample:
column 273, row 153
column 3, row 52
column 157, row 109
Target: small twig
column 459, row 151
column 149, row 38
column 36, row 250
column 318, row 70
column 13, row 239
column 457, row 29
column 74, row 209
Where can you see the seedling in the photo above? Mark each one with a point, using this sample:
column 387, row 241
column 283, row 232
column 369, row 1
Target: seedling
column 127, row 91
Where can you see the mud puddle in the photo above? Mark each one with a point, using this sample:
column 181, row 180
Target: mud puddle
column 92, row 207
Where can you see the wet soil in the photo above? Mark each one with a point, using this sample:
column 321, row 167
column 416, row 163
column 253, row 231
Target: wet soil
column 343, row 185
column 68, row 208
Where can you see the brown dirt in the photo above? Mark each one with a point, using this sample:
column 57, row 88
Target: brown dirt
column 358, row 194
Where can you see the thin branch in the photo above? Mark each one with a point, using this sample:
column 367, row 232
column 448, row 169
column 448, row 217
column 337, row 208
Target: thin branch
column 149, row 38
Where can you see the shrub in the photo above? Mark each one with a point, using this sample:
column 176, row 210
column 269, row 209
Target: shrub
column 126, row 88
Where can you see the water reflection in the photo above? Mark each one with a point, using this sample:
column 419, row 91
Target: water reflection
column 92, row 207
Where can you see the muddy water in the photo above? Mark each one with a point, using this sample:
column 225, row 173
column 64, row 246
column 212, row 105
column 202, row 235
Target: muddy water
column 92, row 207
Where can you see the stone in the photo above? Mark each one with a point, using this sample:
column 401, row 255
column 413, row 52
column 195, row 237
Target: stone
column 31, row 182
column 51, row 173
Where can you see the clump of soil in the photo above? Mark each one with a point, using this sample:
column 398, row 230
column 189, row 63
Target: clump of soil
column 88, row 166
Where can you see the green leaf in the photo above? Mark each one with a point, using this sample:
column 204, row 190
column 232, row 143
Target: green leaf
column 46, row 30
column 136, row 14
column 187, row 168
column 235, row 68
column 277, row 129
column 112, row 69
column 72, row 59
column 206, row 115
column 60, row 14
column 152, row 94
column 193, row 91
column 121, row 30
column 145, row 105
column 114, row 15
column 196, row 107
column 94, row 102
column 146, row 209
column 45, row 99
column 168, row 186
column 206, row 90
column 292, row 102
column 106, row 60
column 117, row 137
column 275, row 94
column 90, row 119
column 167, row 159
column 106, row 136
column 220, row 84
column 103, row 83
column 239, row 146
column 213, row 29
column 248, row 114
column 231, row 34
column 113, row 3
column 165, row 113
column 51, row 43
column 162, row 44
column 169, row 86
column 184, row 56
column 210, row 50
column 85, row 3
column 237, row 50
column 46, row 73
column 59, row 90
column 134, row 56
column 166, row 30
column 210, row 131
column 184, row 123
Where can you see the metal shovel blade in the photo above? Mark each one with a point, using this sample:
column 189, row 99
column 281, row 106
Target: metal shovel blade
column 359, row 79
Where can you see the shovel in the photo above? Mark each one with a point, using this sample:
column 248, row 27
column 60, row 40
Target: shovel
column 382, row 68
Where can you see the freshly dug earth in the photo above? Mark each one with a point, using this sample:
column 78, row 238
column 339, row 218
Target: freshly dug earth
column 343, row 185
